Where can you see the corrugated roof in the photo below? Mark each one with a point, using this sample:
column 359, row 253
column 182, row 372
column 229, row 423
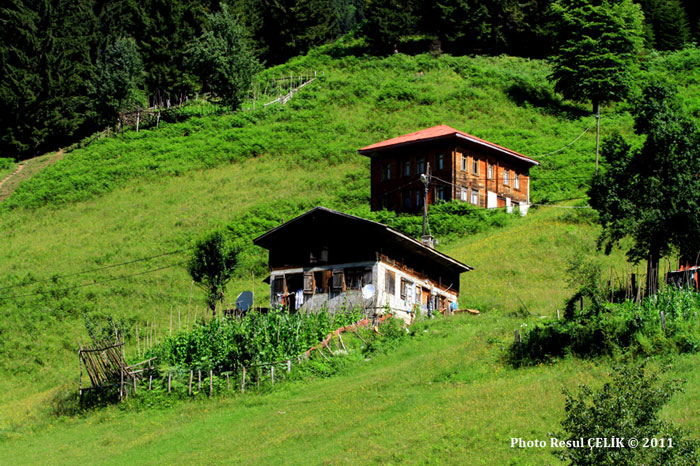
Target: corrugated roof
column 441, row 132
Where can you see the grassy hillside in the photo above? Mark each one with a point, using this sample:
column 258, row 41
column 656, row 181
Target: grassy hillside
column 441, row 397
column 120, row 200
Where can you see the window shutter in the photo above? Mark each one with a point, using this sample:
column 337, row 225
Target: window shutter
column 309, row 285
column 338, row 280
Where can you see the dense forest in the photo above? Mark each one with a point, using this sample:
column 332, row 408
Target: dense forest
column 68, row 68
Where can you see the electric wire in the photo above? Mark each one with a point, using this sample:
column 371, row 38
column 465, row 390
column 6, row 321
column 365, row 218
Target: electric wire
column 569, row 144
column 30, row 282
column 82, row 285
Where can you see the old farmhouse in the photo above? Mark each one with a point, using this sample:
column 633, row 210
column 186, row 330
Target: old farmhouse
column 328, row 258
column 463, row 167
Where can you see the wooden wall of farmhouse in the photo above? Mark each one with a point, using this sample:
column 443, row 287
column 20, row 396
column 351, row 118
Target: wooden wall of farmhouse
column 404, row 167
column 395, row 175
column 481, row 181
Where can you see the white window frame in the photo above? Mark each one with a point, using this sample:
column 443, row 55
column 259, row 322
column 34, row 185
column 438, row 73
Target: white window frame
column 489, row 171
column 506, row 176
column 464, row 195
column 475, row 197
column 464, row 163
column 441, row 161
column 516, row 181
column 475, row 166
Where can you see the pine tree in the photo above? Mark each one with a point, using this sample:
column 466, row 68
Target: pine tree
column 597, row 45
column 667, row 24
column 46, row 72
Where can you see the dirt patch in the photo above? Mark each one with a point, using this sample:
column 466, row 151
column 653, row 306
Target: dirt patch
column 25, row 170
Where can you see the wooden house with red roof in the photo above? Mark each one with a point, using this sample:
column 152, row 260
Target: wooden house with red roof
column 462, row 167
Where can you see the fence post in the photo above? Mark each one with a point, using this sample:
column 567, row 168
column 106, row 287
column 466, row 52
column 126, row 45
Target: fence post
column 663, row 321
column 189, row 388
column 289, row 366
column 199, row 380
column 272, row 374
column 170, row 377
column 243, row 381
column 211, row 383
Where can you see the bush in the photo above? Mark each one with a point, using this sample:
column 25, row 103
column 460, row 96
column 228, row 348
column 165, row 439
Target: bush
column 625, row 408
column 625, row 327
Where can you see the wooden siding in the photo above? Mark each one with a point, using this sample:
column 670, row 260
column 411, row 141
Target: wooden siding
column 392, row 193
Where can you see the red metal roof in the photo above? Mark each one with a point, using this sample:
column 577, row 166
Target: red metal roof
column 440, row 132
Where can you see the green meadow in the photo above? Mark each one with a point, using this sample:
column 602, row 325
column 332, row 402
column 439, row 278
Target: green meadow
column 441, row 396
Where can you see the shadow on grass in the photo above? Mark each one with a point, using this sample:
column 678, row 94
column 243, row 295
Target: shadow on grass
column 523, row 94
column 68, row 403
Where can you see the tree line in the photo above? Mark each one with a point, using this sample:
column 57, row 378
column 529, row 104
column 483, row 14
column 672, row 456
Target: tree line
column 67, row 68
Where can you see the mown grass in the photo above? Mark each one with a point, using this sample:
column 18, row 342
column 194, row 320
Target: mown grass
column 143, row 194
column 444, row 396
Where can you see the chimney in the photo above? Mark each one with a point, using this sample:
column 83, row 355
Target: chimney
column 428, row 240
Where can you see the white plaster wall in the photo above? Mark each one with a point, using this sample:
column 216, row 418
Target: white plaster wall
column 400, row 307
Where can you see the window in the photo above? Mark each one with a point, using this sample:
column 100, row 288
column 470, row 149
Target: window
column 385, row 201
column 279, row 285
column 516, row 181
column 441, row 162
column 390, row 282
column 489, row 172
column 406, row 199
column 407, row 168
column 464, row 163
column 418, row 196
column 506, row 176
column 475, row 166
column 355, row 278
column 420, row 165
column 464, row 194
column 475, row 197
column 441, row 193
column 387, row 172
column 406, row 290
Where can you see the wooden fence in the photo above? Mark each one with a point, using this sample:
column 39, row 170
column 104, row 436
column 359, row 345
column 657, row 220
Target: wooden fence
column 106, row 367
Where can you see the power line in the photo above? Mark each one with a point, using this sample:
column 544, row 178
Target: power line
column 30, row 282
column 82, row 285
column 569, row 144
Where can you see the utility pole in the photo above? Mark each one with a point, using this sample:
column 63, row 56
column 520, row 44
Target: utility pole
column 426, row 238
column 597, row 134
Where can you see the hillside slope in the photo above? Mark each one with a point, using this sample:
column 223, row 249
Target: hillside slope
column 114, row 207
column 444, row 396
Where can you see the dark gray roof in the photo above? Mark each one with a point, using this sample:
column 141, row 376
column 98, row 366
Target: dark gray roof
column 369, row 229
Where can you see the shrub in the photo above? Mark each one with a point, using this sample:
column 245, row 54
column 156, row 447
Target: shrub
column 625, row 408
column 635, row 328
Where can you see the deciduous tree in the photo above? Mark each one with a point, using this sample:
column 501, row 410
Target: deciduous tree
column 223, row 57
column 212, row 265
column 651, row 193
